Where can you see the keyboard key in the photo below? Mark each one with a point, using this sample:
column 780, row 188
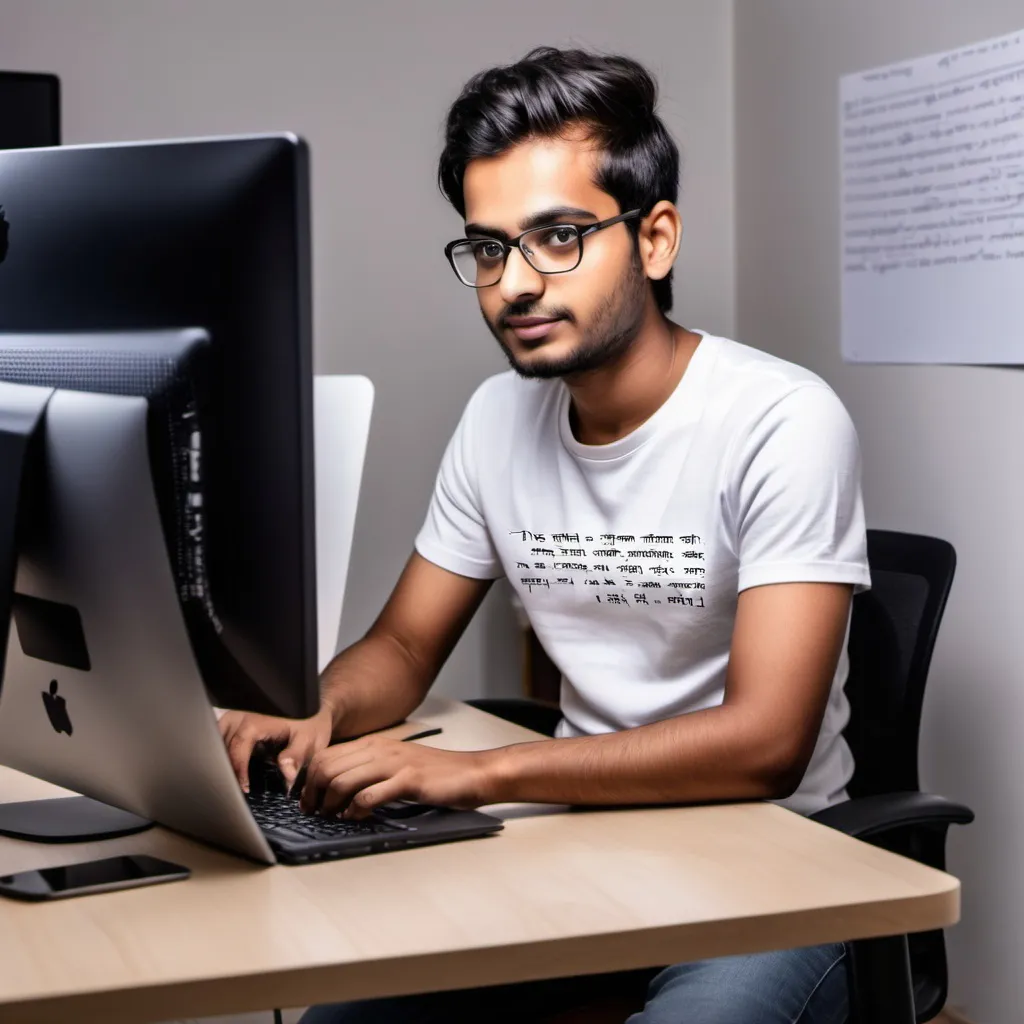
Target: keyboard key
column 274, row 811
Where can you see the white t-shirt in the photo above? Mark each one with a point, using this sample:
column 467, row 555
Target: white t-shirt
column 628, row 557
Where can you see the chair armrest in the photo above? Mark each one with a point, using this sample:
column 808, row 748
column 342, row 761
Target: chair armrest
column 538, row 715
column 876, row 815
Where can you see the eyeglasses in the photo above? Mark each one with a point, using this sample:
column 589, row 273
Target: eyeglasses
column 552, row 249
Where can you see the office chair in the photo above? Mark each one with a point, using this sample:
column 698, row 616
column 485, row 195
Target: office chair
column 892, row 635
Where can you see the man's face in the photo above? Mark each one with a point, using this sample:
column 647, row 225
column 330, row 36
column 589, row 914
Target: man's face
column 555, row 325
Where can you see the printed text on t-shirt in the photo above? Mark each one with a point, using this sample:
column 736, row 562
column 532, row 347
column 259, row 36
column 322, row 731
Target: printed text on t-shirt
column 620, row 569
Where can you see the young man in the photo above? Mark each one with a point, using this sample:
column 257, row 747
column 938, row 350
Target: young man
column 680, row 515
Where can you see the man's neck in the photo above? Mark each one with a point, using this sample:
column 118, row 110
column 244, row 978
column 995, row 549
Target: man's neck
column 613, row 401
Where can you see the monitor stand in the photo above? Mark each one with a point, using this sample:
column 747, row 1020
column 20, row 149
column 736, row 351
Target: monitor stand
column 73, row 819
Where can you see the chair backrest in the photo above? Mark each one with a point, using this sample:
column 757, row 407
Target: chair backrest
column 892, row 636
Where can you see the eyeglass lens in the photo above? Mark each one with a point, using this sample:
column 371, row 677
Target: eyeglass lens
column 549, row 250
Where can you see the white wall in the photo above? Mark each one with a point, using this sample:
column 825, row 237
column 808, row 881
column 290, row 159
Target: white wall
column 368, row 84
column 941, row 444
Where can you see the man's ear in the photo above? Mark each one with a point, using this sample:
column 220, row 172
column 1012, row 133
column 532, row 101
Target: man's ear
column 659, row 237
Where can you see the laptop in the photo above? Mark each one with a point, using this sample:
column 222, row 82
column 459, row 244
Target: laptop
column 299, row 838
column 153, row 748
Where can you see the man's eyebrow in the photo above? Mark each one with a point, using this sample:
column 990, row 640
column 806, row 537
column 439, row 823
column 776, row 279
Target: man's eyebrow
column 535, row 220
column 553, row 215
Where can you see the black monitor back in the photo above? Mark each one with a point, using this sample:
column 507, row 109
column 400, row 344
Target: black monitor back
column 209, row 234
column 29, row 110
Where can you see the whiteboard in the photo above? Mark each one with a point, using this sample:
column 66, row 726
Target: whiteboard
column 932, row 210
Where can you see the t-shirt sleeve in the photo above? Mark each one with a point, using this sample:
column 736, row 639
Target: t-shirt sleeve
column 797, row 503
column 455, row 534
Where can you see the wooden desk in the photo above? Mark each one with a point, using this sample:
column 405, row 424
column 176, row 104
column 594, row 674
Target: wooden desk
column 554, row 894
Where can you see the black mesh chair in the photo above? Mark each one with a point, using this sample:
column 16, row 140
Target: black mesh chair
column 892, row 636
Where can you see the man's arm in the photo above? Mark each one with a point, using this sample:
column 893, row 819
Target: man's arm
column 755, row 745
column 384, row 677
column 375, row 682
column 786, row 645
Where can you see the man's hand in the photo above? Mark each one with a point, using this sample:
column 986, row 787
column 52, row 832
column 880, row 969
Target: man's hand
column 356, row 777
column 300, row 738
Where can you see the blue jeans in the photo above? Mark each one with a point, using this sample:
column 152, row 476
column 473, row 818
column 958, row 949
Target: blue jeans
column 797, row 986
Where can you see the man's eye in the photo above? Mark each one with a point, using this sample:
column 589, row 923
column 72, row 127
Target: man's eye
column 559, row 237
column 489, row 251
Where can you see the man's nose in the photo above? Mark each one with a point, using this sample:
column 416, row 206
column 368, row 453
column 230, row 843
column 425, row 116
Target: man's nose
column 519, row 281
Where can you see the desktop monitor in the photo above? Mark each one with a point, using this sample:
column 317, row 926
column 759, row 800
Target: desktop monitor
column 177, row 273
column 29, row 110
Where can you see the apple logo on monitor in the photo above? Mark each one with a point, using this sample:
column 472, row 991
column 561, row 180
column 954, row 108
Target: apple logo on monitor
column 57, row 709
column 5, row 228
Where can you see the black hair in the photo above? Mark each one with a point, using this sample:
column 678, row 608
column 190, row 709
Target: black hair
column 547, row 94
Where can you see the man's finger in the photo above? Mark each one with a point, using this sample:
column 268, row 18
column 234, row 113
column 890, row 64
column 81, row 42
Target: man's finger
column 339, row 791
column 239, row 751
column 294, row 756
column 364, row 802
column 324, row 767
column 289, row 769
column 324, row 764
column 227, row 724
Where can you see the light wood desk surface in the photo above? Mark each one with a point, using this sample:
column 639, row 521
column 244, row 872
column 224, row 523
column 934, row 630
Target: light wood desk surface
column 553, row 894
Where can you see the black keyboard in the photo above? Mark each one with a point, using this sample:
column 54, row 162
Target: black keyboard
column 274, row 811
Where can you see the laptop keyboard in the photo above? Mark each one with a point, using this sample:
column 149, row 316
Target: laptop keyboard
column 274, row 811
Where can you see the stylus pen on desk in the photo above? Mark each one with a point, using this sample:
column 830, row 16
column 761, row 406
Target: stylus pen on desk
column 421, row 735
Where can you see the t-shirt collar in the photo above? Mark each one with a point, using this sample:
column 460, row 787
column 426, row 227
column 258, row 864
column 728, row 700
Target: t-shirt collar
column 686, row 400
